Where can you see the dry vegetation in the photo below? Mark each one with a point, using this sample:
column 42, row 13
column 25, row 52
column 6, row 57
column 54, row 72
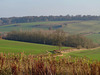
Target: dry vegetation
column 20, row 64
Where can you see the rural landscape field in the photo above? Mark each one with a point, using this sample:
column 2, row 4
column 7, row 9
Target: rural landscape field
column 68, row 26
column 24, row 50
column 49, row 37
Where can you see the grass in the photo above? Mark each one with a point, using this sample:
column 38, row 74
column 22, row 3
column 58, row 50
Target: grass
column 91, row 54
column 94, row 37
column 83, row 27
column 27, row 26
column 8, row 46
column 71, row 27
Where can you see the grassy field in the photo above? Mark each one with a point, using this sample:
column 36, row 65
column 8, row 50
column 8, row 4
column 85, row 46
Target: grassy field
column 83, row 27
column 91, row 54
column 72, row 26
column 7, row 46
column 28, row 26
column 94, row 37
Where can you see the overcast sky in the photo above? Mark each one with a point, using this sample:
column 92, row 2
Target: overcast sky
column 10, row 8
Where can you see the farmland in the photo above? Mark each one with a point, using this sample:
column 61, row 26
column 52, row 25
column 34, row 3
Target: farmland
column 49, row 37
column 94, row 37
column 73, row 27
column 28, row 26
column 8, row 46
column 15, row 56
column 91, row 54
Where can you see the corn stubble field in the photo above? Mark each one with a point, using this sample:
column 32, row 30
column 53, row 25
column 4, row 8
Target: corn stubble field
column 20, row 64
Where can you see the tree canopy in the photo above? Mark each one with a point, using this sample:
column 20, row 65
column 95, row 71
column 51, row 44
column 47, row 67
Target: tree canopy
column 26, row 19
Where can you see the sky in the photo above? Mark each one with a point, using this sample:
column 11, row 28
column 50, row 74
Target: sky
column 17, row 8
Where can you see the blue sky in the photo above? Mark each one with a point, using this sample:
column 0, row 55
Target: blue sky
column 9, row 8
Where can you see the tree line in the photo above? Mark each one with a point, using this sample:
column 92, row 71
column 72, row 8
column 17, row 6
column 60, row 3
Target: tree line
column 26, row 19
column 51, row 37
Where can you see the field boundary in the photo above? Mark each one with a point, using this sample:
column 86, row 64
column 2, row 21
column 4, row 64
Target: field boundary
column 72, row 50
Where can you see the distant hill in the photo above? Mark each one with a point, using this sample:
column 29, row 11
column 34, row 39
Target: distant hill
column 27, row 19
column 73, row 27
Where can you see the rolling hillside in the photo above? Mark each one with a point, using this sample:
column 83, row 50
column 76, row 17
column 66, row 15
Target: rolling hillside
column 68, row 26
column 94, row 37
column 8, row 46
column 91, row 54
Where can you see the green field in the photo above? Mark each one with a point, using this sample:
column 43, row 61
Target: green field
column 8, row 46
column 83, row 27
column 91, row 54
column 94, row 37
column 71, row 27
column 28, row 26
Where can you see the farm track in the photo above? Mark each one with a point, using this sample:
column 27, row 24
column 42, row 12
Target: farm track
column 72, row 50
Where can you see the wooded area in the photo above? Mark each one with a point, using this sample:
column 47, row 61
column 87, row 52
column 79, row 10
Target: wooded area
column 26, row 19
column 51, row 37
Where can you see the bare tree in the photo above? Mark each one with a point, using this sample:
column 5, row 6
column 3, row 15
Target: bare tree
column 59, row 38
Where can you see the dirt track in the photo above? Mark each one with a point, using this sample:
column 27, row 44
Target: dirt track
column 71, row 50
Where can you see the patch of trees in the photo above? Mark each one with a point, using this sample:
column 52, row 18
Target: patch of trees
column 26, row 19
column 51, row 37
column 80, row 41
